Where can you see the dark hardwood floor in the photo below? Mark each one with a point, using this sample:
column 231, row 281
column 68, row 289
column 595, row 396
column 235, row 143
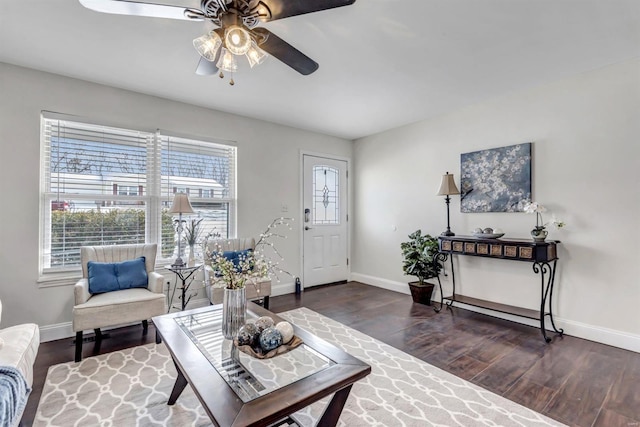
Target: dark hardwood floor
column 577, row 382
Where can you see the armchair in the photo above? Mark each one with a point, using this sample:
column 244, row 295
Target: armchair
column 100, row 310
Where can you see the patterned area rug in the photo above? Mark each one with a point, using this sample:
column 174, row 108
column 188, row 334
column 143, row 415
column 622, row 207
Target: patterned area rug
column 131, row 388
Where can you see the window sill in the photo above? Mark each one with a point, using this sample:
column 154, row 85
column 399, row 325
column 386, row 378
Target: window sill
column 59, row 279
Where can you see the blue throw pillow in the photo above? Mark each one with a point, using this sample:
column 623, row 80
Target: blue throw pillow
column 237, row 256
column 102, row 277
column 132, row 274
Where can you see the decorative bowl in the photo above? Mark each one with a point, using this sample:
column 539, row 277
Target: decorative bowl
column 488, row 235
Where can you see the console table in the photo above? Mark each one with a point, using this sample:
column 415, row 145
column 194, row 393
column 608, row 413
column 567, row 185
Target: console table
column 542, row 255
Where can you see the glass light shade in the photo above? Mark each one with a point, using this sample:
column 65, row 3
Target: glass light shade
column 227, row 61
column 237, row 40
column 208, row 45
column 255, row 55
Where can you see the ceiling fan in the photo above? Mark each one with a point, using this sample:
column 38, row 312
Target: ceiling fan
column 237, row 31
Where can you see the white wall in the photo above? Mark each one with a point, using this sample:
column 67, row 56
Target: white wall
column 586, row 167
column 268, row 172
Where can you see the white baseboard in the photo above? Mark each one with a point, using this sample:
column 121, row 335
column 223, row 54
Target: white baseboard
column 282, row 288
column 56, row 332
column 599, row 334
column 379, row 282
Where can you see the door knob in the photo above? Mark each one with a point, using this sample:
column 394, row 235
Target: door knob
column 307, row 227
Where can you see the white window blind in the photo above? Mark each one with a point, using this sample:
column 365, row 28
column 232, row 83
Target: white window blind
column 206, row 172
column 104, row 185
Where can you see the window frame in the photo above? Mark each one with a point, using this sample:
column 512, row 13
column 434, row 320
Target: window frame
column 151, row 198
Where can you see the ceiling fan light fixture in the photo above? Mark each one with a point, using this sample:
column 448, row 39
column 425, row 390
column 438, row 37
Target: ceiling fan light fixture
column 208, row 45
column 227, row 61
column 255, row 55
column 237, row 40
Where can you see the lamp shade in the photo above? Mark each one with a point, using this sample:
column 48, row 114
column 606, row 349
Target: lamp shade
column 181, row 204
column 227, row 61
column 255, row 55
column 448, row 186
column 208, row 45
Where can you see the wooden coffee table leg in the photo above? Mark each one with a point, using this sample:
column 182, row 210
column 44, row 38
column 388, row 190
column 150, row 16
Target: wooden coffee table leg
column 334, row 409
column 181, row 383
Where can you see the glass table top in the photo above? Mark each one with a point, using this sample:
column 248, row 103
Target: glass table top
column 249, row 377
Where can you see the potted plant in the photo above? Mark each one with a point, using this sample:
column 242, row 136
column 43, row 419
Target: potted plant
column 419, row 255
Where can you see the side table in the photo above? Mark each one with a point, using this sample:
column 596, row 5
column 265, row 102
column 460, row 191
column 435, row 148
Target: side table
column 186, row 276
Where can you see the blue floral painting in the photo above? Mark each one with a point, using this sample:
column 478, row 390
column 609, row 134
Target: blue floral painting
column 495, row 180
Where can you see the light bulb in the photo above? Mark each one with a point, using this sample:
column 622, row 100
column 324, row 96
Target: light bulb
column 237, row 40
column 207, row 45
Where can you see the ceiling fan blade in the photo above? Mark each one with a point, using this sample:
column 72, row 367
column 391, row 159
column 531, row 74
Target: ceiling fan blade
column 286, row 53
column 206, row 68
column 125, row 7
column 285, row 8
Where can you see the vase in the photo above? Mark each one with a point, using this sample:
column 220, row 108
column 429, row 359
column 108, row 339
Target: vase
column 234, row 310
column 539, row 234
column 192, row 256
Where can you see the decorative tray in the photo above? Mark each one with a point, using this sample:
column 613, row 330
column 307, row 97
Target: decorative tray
column 259, row 354
column 488, row 235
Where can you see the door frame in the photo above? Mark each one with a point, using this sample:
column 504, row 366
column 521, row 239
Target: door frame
column 301, row 206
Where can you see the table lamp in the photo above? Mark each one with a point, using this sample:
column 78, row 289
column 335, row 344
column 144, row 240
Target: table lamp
column 448, row 188
column 181, row 205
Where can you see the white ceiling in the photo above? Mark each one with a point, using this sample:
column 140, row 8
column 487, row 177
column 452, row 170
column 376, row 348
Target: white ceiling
column 383, row 63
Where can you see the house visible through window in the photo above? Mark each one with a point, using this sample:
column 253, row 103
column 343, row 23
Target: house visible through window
column 104, row 185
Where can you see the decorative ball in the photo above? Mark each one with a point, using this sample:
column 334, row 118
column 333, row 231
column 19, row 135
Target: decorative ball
column 244, row 337
column 264, row 322
column 270, row 339
column 248, row 335
column 286, row 330
column 488, row 230
column 478, row 230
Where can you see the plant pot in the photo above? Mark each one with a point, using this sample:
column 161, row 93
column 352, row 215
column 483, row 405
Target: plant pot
column 421, row 293
column 539, row 234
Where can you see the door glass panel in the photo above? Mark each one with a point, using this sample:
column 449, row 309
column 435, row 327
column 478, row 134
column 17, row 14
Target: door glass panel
column 326, row 185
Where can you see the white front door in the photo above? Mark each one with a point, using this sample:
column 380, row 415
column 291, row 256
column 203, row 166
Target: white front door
column 324, row 220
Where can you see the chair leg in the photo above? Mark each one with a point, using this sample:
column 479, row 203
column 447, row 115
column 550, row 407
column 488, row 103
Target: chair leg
column 145, row 326
column 78, row 346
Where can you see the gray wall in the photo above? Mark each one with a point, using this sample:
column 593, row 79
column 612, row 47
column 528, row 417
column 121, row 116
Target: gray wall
column 268, row 173
column 586, row 161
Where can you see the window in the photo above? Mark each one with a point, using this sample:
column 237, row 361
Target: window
column 104, row 185
column 326, row 186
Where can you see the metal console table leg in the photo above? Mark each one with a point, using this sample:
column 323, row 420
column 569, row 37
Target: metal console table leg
column 546, row 294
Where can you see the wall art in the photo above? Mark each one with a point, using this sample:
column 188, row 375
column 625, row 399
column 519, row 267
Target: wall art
column 495, row 180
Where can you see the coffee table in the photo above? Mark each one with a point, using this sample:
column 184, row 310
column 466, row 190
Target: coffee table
column 236, row 389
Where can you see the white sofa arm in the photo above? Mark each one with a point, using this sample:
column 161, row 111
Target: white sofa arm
column 81, row 291
column 155, row 282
